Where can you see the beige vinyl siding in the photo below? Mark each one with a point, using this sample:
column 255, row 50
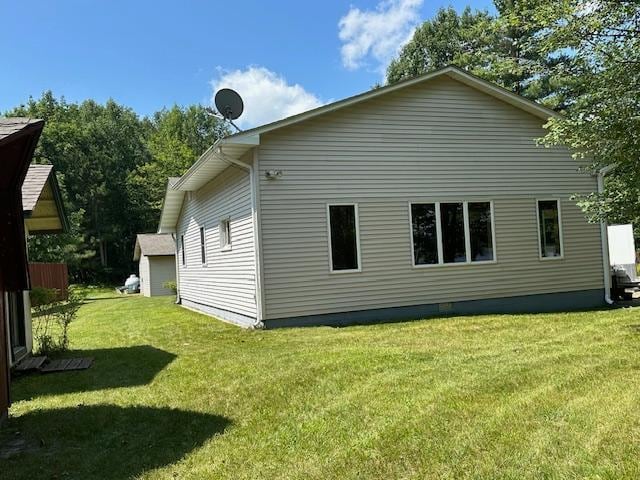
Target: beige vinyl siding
column 145, row 276
column 438, row 141
column 227, row 280
column 162, row 269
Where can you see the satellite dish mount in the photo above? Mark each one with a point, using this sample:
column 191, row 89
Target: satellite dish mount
column 229, row 105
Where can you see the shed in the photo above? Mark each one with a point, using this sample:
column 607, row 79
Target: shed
column 155, row 254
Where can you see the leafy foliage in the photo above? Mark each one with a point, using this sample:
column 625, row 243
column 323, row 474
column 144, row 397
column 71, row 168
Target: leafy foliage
column 178, row 137
column 52, row 318
column 602, row 124
column 494, row 48
column 112, row 167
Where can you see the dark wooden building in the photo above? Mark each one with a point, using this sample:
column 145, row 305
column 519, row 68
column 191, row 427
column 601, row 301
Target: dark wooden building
column 18, row 139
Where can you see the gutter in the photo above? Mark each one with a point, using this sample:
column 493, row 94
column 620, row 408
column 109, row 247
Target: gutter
column 604, row 239
column 254, row 217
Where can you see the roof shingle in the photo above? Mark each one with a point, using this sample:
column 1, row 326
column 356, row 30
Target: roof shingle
column 153, row 244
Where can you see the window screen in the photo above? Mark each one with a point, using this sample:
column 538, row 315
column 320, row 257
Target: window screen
column 424, row 231
column 549, row 222
column 344, row 237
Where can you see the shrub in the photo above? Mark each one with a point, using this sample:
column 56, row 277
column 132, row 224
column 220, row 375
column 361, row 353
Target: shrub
column 171, row 285
column 52, row 318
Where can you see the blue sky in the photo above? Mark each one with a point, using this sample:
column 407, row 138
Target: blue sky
column 282, row 56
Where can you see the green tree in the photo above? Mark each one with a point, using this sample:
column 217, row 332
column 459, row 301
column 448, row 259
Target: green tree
column 498, row 49
column 177, row 138
column 94, row 148
column 603, row 123
column 438, row 42
column 69, row 247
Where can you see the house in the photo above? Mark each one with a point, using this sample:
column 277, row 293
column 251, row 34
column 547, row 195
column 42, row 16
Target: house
column 43, row 213
column 155, row 254
column 424, row 197
column 18, row 139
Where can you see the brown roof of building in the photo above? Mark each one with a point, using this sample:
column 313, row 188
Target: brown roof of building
column 154, row 244
column 10, row 126
column 33, row 184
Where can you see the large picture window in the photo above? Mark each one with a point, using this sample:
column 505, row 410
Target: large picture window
column 343, row 238
column 549, row 226
column 452, row 232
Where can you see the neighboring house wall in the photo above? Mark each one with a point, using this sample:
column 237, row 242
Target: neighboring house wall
column 145, row 276
column 227, row 281
column 162, row 268
column 437, row 141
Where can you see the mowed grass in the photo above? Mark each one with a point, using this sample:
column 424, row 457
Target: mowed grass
column 174, row 394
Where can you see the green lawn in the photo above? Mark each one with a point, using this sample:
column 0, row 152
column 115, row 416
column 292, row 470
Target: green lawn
column 174, row 394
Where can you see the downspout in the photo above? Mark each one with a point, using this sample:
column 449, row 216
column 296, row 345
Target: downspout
column 604, row 239
column 174, row 236
column 256, row 244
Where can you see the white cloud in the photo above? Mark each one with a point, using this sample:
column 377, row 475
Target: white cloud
column 267, row 96
column 377, row 35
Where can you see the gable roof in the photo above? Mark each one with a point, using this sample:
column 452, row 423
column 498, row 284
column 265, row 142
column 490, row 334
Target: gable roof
column 11, row 127
column 228, row 150
column 34, row 182
column 451, row 71
column 153, row 244
column 42, row 201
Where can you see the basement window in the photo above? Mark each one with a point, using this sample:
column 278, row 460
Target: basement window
column 225, row 234
column 549, row 229
column 344, row 238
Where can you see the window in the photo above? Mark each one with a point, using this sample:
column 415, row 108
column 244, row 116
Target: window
column 550, row 229
column 182, row 249
column 452, row 233
column 344, row 252
column 453, row 239
column 480, row 231
column 203, row 246
column 424, row 233
column 225, row 234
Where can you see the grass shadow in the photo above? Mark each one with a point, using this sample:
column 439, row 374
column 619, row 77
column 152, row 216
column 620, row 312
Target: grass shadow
column 104, row 441
column 112, row 368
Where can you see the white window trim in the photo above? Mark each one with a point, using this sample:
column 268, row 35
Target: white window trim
column 202, row 240
column 559, row 204
column 359, row 257
column 229, row 245
column 467, row 235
